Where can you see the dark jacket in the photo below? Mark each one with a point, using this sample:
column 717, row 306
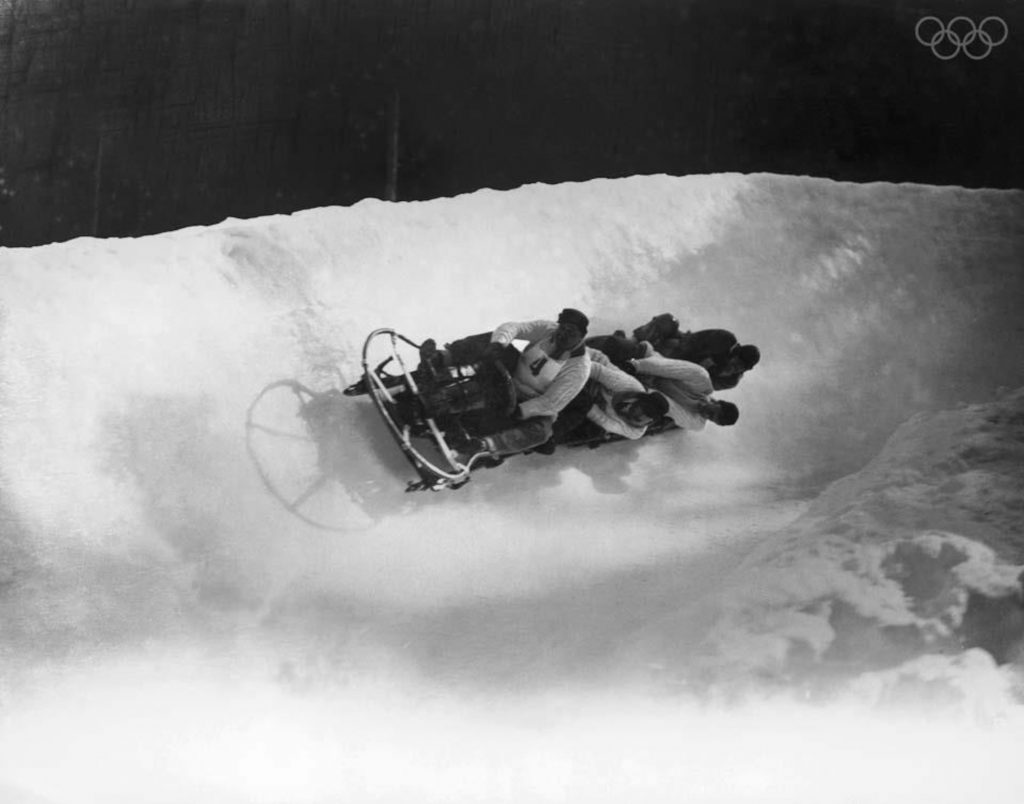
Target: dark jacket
column 618, row 349
column 715, row 345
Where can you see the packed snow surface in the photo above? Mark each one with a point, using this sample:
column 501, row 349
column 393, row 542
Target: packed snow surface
column 819, row 604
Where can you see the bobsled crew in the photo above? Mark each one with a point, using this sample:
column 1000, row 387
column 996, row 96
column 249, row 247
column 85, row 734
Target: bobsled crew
column 475, row 401
column 481, row 399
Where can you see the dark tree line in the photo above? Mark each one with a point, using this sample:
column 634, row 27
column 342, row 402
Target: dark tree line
column 123, row 117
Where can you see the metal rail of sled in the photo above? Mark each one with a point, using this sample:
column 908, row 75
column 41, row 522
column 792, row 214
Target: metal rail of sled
column 433, row 477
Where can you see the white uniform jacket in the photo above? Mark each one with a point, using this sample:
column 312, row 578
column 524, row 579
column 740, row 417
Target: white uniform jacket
column 684, row 384
column 545, row 382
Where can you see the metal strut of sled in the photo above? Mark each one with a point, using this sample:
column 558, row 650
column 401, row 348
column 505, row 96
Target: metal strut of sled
column 432, row 476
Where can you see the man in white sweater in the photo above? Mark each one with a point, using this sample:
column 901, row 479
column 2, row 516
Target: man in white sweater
column 548, row 374
column 621, row 405
column 555, row 365
column 688, row 389
column 612, row 402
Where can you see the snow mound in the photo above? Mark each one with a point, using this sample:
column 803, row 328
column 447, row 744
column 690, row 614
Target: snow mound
column 909, row 565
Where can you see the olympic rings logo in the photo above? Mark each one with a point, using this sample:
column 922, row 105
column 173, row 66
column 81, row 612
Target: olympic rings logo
column 961, row 33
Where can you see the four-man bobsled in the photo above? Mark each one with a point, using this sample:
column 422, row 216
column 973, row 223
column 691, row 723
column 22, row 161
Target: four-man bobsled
column 426, row 410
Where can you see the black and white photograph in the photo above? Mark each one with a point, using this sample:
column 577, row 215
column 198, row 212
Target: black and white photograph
column 525, row 401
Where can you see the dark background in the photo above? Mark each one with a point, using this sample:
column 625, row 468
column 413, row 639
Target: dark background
column 125, row 117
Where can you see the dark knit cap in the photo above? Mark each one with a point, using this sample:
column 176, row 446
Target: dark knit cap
column 728, row 414
column 655, row 405
column 571, row 316
column 749, row 354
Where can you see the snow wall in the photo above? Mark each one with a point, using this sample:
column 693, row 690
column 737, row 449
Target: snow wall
column 142, row 559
